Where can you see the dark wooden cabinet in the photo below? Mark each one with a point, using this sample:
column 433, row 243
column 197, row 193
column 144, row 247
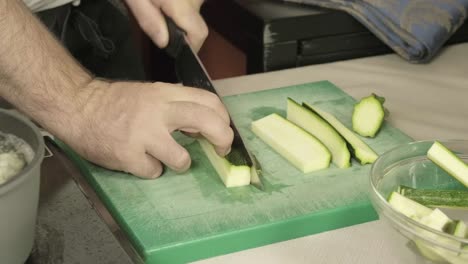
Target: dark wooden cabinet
column 274, row 35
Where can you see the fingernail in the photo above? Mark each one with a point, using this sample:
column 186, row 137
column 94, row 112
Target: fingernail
column 160, row 39
column 157, row 174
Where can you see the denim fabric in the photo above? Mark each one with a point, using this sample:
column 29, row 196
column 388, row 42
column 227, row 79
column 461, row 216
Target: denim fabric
column 415, row 29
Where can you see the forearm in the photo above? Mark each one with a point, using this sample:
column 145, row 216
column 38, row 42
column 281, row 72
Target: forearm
column 37, row 74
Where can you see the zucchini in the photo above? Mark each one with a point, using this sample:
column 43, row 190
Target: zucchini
column 315, row 125
column 231, row 175
column 439, row 221
column 408, row 207
column 464, row 253
column 368, row 115
column 297, row 146
column 460, row 230
column 360, row 150
column 449, row 162
column 436, row 198
column 434, row 219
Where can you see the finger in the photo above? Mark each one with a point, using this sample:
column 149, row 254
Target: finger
column 200, row 96
column 151, row 20
column 168, row 151
column 186, row 15
column 143, row 166
column 197, row 3
column 187, row 116
column 192, row 134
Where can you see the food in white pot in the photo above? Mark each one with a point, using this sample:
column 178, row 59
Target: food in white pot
column 15, row 154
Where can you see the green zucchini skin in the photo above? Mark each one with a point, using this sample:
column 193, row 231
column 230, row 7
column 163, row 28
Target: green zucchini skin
column 436, row 198
column 311, row 122
column 236, row 157
column 460, row 229
column 358, row 148
column 231, row 175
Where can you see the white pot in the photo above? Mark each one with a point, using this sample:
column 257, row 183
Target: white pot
column 19, row 196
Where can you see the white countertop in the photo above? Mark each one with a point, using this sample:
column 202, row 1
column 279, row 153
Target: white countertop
column 427, row 101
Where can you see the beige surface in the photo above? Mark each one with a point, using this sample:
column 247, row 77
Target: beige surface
column 426, row 102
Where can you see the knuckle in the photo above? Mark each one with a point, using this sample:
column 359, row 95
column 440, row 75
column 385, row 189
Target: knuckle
column 214, row 100
column 169, row 6
column 122, row 157
column 204, row 31
column 223, row 135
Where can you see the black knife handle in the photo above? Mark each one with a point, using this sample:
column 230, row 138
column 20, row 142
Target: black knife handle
column 176, row 38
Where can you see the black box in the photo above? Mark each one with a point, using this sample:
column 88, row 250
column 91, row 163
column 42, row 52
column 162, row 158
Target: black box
column 278, row 35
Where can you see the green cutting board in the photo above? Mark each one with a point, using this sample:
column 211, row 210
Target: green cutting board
column 185, row 217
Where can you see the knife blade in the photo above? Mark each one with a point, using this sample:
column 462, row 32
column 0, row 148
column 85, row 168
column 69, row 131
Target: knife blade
column 191, row 72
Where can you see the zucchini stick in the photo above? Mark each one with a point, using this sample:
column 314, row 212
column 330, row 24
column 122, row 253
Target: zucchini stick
column 436, row 198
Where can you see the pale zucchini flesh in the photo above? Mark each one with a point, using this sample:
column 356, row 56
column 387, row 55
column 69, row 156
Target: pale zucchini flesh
column 297, row 146
column 322, row 130
column 407, row 206
column 449, row 162
column 368, row 115
column 436, row 220
column 231, row 175
column 461, row 230
column 360, row 149
column 439, row 221
column 464, row 254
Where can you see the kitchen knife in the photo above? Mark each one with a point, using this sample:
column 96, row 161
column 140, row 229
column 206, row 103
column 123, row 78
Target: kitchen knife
column 190, row 72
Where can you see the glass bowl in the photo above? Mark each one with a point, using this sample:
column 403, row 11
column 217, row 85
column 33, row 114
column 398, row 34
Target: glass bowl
column 408, row 165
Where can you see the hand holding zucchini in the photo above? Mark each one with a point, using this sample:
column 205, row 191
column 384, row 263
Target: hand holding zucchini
column 232, row 175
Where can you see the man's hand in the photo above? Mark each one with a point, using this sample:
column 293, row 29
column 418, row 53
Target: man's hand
column 123, row 125
column 185, row 13
column 127, row 126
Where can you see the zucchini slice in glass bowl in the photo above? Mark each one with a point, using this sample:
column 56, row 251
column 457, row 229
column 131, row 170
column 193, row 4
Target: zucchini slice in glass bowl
column 437, row 233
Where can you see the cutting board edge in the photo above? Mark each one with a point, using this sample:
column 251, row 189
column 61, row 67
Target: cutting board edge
column 262, row 235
